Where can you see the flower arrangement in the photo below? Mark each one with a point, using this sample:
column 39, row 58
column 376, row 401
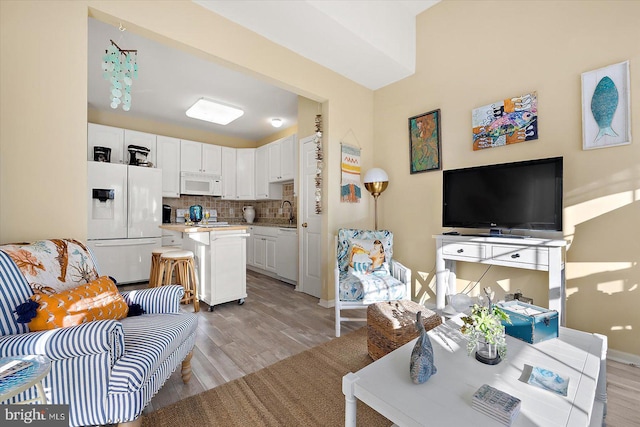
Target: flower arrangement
column 485, row 322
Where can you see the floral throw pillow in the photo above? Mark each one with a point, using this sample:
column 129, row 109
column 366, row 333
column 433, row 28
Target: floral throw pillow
column 55, row 265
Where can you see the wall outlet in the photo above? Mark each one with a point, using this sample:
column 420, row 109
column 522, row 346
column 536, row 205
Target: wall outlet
column 231, row 211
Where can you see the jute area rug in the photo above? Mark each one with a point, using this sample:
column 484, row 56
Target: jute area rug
column 302, row 390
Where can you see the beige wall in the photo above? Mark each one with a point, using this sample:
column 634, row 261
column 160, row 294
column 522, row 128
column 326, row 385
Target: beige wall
column 43, row 81
column 461, row 65
column 473, row 53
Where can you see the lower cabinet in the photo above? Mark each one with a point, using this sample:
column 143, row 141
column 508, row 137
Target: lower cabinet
column 263, row 254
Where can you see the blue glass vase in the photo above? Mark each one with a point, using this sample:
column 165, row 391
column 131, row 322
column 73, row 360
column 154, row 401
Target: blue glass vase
column 195, row 213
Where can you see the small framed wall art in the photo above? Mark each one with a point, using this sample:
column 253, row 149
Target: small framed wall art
column 606, row 118
column 505, row 122
column 424, row 142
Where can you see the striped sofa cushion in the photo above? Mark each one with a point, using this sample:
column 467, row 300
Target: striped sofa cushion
column 149, row 340
column 14, row 290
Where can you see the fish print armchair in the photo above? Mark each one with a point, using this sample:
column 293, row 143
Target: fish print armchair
column 366, row 272
column 106, row 370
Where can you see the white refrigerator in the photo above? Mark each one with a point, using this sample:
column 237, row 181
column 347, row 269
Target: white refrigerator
column 125, row 212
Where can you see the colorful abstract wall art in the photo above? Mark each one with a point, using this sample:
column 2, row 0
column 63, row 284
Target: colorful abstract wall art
column 350, row 190
column 424, row 142
column 505, row 122
column 606, row 119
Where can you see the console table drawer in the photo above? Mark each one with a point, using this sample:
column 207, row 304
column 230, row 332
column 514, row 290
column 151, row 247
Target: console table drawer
column 530, row 256
column 464, row 250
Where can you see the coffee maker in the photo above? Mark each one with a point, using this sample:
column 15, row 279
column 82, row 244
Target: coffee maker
column 166, row 214
column 138, row 155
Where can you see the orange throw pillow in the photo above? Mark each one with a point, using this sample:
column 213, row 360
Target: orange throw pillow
column 97, row 300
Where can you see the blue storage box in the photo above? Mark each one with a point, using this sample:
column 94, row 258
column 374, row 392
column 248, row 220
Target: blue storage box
column 530, row 323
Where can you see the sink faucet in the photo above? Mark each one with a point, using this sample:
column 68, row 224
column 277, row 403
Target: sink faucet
column 290, row 211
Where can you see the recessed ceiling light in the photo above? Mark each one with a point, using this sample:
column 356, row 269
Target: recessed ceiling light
column 276, row 123
column 213, row 112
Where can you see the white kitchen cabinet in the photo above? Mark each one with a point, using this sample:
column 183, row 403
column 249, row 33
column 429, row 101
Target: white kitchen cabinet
column 105, row 136
column 265, row 190
column 229, row 173
column 264, row 248
column 238, row 173
column 141, row 139
column 245, row 174
column 212, row 159
column 220, row 257
column 199, row 157
column 282, row 159
column 171, row 238
column 168, row 159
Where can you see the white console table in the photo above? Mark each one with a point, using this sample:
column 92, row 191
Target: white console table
column 528, row 253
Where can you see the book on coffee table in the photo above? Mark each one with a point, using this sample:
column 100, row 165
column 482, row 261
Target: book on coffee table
column 496, row 404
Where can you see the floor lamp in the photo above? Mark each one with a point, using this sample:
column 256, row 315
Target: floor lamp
column 376, row 181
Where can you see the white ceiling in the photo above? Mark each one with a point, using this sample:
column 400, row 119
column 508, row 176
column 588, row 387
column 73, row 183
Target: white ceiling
column 369, row 42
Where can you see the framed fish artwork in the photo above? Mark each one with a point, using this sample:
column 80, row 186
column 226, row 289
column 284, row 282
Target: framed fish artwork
column 606, row 117
column 505, row 122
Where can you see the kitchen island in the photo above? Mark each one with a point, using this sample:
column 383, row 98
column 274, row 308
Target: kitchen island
column 220, row 258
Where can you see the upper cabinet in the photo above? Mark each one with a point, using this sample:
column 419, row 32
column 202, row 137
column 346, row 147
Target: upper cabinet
column 108, row 137
column 264, row 189
column 282, row 156
column 228, row 173
column 117, row 140
column 139, row 139
column 245, row 173
column 238, row 173
column 168, row 159
column 200, row 157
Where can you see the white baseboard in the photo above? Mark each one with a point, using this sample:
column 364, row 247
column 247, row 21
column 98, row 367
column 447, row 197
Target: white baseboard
column 327, row 303
column 622, row 357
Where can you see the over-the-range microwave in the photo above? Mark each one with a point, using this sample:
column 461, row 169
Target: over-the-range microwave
column 200, row 184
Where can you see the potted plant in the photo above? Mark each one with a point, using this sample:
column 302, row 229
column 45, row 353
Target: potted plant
column 486, row 332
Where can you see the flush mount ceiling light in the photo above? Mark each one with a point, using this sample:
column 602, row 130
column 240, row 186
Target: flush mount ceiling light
column 213, row 112
column 276, row 123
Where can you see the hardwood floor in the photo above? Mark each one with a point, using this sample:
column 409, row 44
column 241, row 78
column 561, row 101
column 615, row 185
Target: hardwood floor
column 276, row 322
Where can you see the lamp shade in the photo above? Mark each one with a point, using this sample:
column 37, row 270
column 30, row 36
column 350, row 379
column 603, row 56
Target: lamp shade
column 375, row 175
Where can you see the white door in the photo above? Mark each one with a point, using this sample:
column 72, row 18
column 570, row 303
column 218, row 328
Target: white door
column 310, row 236
column 275, row 161
column 107, row 199
column 145, row 202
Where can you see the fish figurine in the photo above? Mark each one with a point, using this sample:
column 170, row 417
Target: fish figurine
column 422, row 367
column 604, row 103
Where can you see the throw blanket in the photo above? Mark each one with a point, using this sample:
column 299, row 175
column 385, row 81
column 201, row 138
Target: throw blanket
column 377, row 288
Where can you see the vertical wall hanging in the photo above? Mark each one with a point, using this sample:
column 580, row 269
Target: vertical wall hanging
column 506, row 122
column 350, row 190
column 606, row 117
column 319, row 163
column 120, row 67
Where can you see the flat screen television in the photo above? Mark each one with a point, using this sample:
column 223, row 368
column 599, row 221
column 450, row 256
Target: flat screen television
column 522, row 195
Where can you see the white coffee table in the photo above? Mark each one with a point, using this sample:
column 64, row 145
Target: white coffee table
column 445, row 399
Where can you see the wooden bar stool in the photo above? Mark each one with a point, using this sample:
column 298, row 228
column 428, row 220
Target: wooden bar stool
column 155, row 263
column 183, row 264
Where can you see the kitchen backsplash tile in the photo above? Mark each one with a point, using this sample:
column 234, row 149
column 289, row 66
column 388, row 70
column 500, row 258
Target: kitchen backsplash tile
column 229, row 210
